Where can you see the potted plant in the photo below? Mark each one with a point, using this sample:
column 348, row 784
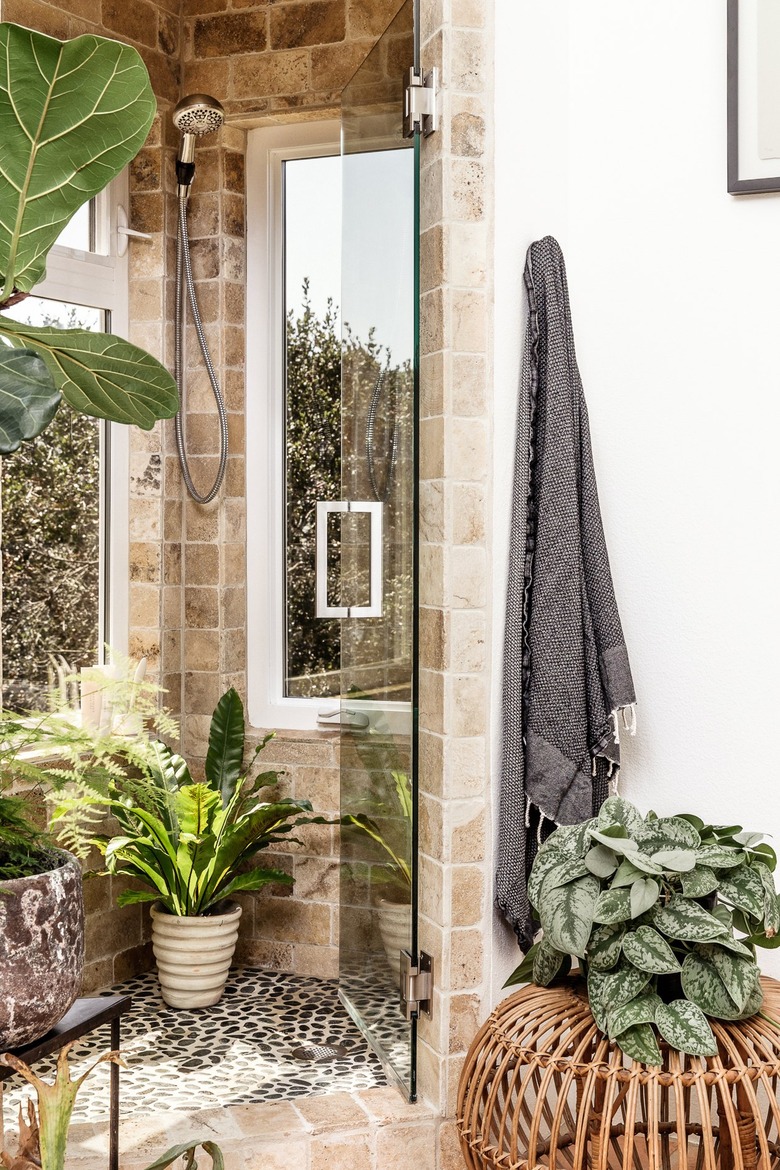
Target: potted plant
column 664, row 915
column 190, row 845
column 43, row 1137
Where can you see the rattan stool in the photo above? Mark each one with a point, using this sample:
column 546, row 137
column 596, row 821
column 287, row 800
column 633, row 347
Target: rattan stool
column 543, row 1087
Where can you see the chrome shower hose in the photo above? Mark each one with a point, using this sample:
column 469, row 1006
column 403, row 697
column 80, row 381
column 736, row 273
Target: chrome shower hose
column 184, row 276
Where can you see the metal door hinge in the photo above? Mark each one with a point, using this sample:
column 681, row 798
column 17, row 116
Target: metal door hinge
column 416, row 985
column 421, row 109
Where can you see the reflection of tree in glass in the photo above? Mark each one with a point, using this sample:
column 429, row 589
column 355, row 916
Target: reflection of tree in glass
column 50, row 550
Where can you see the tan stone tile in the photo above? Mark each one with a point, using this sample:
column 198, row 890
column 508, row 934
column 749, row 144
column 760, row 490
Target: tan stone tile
column 432, row 511
column 316, row 879
column 432, row 903
column 466, row 830
column 431, row 767
column 233, row 649
column 201, row 607
column 432, row 448
column 269, row 73
column 433, row 639
column 275, row 1155
column 467, row 61
column 320, row 962
column 431, row 826
column 468, row 385
column 432, row 578
column 467, row 895
column 465, row 199
column 274, row 1119
column 468, row 310
column 202, row 564
column 201, row 649
column 202, row 692
column 202, row 520
column 145, row 562
column 406, row 1147
column 144, row 605
column 432, row 324
column 137, row 21
column 466, row 705
column 431, row 700
column 432, row 268
column 466, row 959
column 431, row 194
column 289, row 921
column 229, row 33
column 469, row 576
column 432, row 373
column 385, row 1105
column 449, row 1153
column 233, row 564
column 468, row 513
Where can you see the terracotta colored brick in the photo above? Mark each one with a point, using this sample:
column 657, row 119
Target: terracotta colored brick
column 137, row 20
column 233, row 32
column 333, row 65
column 270, row 73
column 233, row 164
column 319, row 23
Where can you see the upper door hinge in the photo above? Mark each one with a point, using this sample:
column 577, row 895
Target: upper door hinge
column 416, row 985
column 421, row 112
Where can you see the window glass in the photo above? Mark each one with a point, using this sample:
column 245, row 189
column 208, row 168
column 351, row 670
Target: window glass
column 52, row 509
column 312, row 445
column 78, row 232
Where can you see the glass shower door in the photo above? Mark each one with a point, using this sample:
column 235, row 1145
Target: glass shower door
column 377, row 545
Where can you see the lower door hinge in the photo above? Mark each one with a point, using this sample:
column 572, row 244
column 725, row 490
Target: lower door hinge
column 416, row 985
column 421, row 111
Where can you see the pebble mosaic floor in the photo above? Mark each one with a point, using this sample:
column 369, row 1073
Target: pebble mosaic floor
column 242, row 1050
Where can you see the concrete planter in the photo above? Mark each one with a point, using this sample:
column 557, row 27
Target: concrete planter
column 41, row 950
column 194, row 955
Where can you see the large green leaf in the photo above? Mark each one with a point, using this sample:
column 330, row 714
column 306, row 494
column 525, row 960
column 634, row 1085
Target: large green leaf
column 639, row 1010
column 643, row 894
column 719, row 857
column 72, row 115
column 542, row 865
column 604, row 946
column 687, row 920
column 667, row 833
column 640, row 1044
column 99, row 374
column 616, row 840
column 196, row 805
column 225, row 753
column 624, row 984
column 547, row 963
column 649, row 951
column 703, row 986
column 28, row 397
column 571, row 839
column 567, row 914
column 524, row 973
column 740, row 976
column 186, row 1152
column 684, row 1025
column 744, row 888
column 613, row 906
column 566, row 870
column 617, row 811
column 701, row 880
column 601, row 861
column 675, row 860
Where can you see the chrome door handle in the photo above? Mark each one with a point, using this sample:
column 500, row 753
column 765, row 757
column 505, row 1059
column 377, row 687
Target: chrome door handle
column 375, row 601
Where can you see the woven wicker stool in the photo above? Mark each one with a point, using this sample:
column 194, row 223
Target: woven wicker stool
column 543, row 1087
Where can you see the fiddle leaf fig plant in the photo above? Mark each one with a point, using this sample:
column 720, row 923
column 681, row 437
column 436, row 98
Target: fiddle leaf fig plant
column 72, row 115
column 664, row 915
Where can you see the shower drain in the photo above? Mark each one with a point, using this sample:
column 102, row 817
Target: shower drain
column 320, row 1053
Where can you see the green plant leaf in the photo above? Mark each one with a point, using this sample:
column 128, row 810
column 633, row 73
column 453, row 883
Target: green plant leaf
column 681, row 918
column 626, row 874
column 692, row 819
column 649, row 951
column 643, row 895
column 87, row 110
column 684, row 1025
column 613, row 906
column 640, row 1010
column 571, row 839
column 677, row 860
column 196, row 805
column 568, row 869
column 547, row 963
column 604, row 946
column 188, row 1150
column 618, row 844
column 667, row 833
column 719, row 857
column 617, row 811
column 740, row 976
column 524, row 973
column 646, row 864
column 735, row 946
column 598, row 987
column 99, row 374
column 762, row 940
column 543, row 863
column 567, row 915
column 601, row 861
column 28, row 397
column 748, row 839
column 624, row 984
column 744, row 888
column 771, row 906
column 225, row 753
column 767, row 855
column 703, row 986
column 640, row 1044
column 701, row 880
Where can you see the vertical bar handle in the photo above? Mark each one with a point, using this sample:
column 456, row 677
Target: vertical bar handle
column 375, row 607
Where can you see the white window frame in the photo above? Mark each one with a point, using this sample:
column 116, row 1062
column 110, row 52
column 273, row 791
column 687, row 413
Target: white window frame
column 268, row 148
column 99, row 279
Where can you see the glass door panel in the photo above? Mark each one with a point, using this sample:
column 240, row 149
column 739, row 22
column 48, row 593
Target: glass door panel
column 377, row 547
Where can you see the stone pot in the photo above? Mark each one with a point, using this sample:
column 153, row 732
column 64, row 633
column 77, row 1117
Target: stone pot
column 41, row 949
column 395, row 928
column 194, row 955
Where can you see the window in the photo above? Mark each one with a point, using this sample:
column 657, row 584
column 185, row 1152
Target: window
column 293, row 415
column 64, row 495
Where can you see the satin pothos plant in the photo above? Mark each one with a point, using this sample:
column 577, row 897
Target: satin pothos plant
column 72, row 115
column 664, row 915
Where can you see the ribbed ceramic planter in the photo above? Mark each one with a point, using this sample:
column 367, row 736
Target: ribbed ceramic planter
column 395, row 927
column 41, row 949
column 194, row 955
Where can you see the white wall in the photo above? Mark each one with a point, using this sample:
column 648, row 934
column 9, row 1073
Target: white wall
column 611, row 136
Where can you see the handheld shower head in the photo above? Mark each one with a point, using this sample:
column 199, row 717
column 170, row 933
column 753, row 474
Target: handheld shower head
column 194, row 116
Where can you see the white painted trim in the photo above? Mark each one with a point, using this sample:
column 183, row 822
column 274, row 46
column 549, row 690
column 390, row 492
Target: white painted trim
column 267, row 148
column 101, row 281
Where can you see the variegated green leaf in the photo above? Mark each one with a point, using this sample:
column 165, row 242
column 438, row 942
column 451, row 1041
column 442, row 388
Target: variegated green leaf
column 649, row 951
column 626, row 873
column 547, row 963
column 740, row 976
column 640, row 1010
column 604, row 946
column 643, row 895
column 719, row 857
column 687, row 920
column 542, row 865
column 568, row 869
column 676, row 860
column 571, row 839
column 743, row 888
column 525, row 971
column 617, row 811
column 703, row 986
column 567, row 914
column 702, row 880
column 613, row 906
column 684, row 1025
column 646, row 864
column 735, row 946
column 617, row 843
column 640, row 1044
column 771, row 908
column 624, row 983
column 601, row 861
column 667, row 833
column 597, row 997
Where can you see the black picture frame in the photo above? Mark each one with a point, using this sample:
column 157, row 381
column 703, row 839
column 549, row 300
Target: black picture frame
column 737, row 185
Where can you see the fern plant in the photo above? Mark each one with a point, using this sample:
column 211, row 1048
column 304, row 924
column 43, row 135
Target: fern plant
column 188, row 844
column 664, row 915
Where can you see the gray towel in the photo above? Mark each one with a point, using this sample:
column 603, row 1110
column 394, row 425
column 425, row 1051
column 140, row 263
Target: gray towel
column 566, row 670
